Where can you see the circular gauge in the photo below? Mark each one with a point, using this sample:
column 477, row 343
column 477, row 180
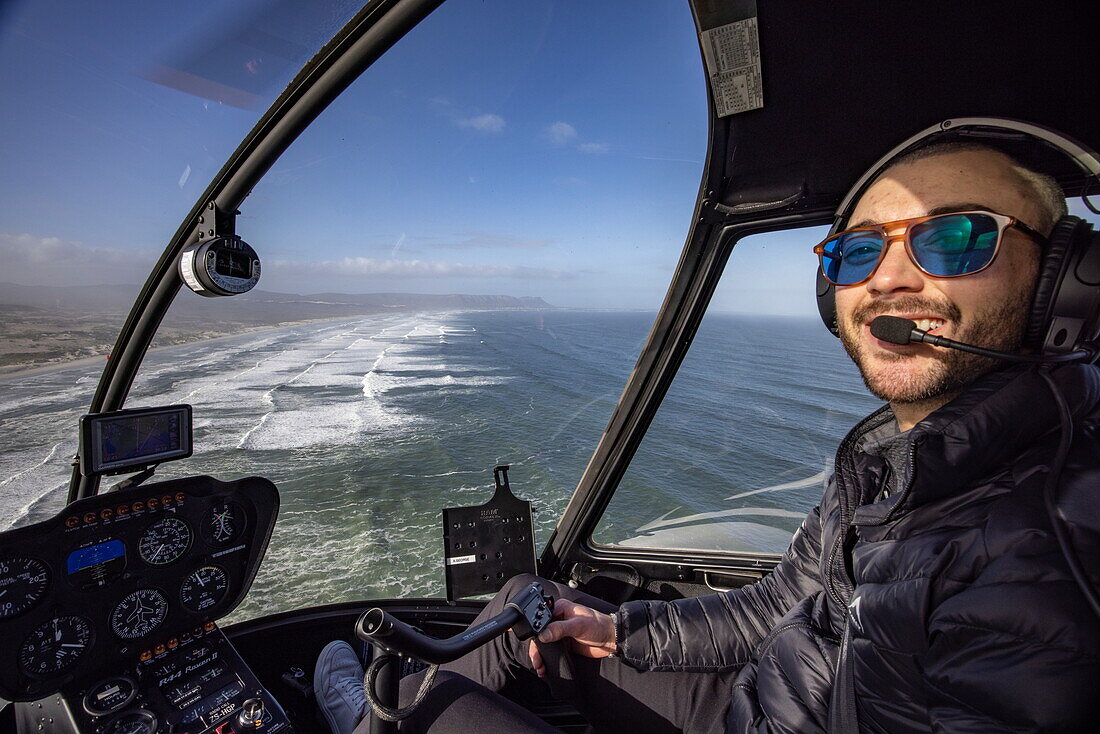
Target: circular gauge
column 204, row 588
column 109, row 695
column 55, row 645
column 139, row 613
column 133, row 722
column 23, row 582
column 224, row 523
column 164, row 541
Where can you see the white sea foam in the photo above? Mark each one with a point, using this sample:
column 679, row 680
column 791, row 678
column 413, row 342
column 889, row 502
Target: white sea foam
column 293, row 417
column 52, row 453
column 45, row 496
column 332, row 425
column 445, row 474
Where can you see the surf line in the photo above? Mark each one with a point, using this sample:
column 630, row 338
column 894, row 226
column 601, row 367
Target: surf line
column 275, row 356
column 242, row 373
column 26, row 509
column 53, row 452
column 269, row 396
column 367, row 392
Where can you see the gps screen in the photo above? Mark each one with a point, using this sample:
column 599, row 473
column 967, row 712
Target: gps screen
column 143, row 435
column 113, row 441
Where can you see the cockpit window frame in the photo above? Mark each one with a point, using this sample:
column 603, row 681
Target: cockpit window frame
column 362, row 41
column 701, row 267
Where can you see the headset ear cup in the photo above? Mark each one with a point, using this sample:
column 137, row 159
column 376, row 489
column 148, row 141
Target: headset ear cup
column 1051, row 269
column 826, row 302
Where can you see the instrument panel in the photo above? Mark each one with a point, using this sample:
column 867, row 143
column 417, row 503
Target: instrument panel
column 123, row 579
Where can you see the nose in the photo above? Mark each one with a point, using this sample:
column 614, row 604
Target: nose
column 896, row 272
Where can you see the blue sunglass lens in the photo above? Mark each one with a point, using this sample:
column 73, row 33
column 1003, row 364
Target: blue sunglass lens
column 955, row 244
column 850, row 258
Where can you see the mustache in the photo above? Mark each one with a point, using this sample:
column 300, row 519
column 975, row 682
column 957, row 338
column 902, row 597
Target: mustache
column 906, row 304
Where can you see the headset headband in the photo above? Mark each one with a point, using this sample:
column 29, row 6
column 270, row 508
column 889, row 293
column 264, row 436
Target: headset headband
column 978, row 127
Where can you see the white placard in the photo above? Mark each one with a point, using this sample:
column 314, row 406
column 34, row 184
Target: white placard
column 732, row 54
column 458, row 560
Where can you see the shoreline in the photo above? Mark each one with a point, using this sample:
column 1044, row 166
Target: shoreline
column 29, row 370
column 14, row 372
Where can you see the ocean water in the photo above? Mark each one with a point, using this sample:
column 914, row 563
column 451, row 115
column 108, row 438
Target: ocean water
column 369, row 426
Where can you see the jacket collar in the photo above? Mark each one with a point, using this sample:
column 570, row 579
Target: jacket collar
column 1003, row 414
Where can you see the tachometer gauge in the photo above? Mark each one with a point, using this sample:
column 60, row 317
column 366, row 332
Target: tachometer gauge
column 23, row 582
column 204, row 588
column 223, row 524
column 139, row 613
column 55, row 645
column 165, row 541
column 133, row 722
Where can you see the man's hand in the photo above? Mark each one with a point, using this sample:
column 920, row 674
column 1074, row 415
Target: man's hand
column 590, row 633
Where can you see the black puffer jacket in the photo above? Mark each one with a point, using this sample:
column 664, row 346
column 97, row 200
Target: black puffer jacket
column 951, row 597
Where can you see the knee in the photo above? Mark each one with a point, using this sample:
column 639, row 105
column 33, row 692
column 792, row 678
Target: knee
column 519, row 581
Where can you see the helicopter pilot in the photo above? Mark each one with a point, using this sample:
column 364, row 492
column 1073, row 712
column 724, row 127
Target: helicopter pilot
column 928, row 591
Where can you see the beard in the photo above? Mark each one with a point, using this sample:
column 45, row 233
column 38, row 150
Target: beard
column 890, row 376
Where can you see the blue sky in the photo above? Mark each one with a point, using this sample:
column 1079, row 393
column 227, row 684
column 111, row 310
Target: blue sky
column 550, row 149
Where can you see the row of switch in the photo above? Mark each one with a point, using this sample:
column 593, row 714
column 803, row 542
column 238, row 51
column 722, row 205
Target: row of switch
column 164, row 648
column 122, row 510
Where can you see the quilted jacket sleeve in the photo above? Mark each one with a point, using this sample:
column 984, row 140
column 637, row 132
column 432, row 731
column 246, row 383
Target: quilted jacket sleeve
column 718, row 632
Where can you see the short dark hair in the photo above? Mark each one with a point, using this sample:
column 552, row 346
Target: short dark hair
column 1048, row 195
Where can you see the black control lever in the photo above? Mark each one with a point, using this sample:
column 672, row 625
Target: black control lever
column 562, row 681
column 527, row 613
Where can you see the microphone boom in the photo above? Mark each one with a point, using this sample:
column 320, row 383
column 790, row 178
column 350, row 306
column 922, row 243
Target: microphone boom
column 896, row 330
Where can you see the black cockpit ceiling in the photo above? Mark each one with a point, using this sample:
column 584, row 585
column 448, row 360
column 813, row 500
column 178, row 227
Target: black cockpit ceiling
column 845, row 82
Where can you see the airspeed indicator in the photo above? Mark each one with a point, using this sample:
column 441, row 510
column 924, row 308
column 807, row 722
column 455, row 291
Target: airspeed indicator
column 165, row 541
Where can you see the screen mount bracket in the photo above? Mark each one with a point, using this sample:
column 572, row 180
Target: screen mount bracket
column 215, row 222
column 485, row 545
column 135, row 480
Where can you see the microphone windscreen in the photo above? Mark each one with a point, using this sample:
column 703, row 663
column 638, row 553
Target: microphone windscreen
column 892, row 329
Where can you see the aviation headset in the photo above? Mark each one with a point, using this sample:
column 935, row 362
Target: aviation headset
column 1065, row 310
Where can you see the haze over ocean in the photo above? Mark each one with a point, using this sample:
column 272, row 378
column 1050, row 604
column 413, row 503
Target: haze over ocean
column 370, row 425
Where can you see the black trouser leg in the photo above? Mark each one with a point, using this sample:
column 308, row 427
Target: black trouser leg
column 611, row 695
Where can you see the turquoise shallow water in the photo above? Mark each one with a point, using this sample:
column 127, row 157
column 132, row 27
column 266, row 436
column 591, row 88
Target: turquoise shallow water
column 370, row 426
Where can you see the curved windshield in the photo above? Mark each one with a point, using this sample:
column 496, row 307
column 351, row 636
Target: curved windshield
column 743, row 443
column 461, row 260
column 117, row 116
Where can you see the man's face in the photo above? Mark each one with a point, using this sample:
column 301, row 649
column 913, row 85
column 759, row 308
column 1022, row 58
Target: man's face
column 988, row 309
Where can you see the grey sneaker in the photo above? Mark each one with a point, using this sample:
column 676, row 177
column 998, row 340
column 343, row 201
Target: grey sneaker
column 338, row 683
